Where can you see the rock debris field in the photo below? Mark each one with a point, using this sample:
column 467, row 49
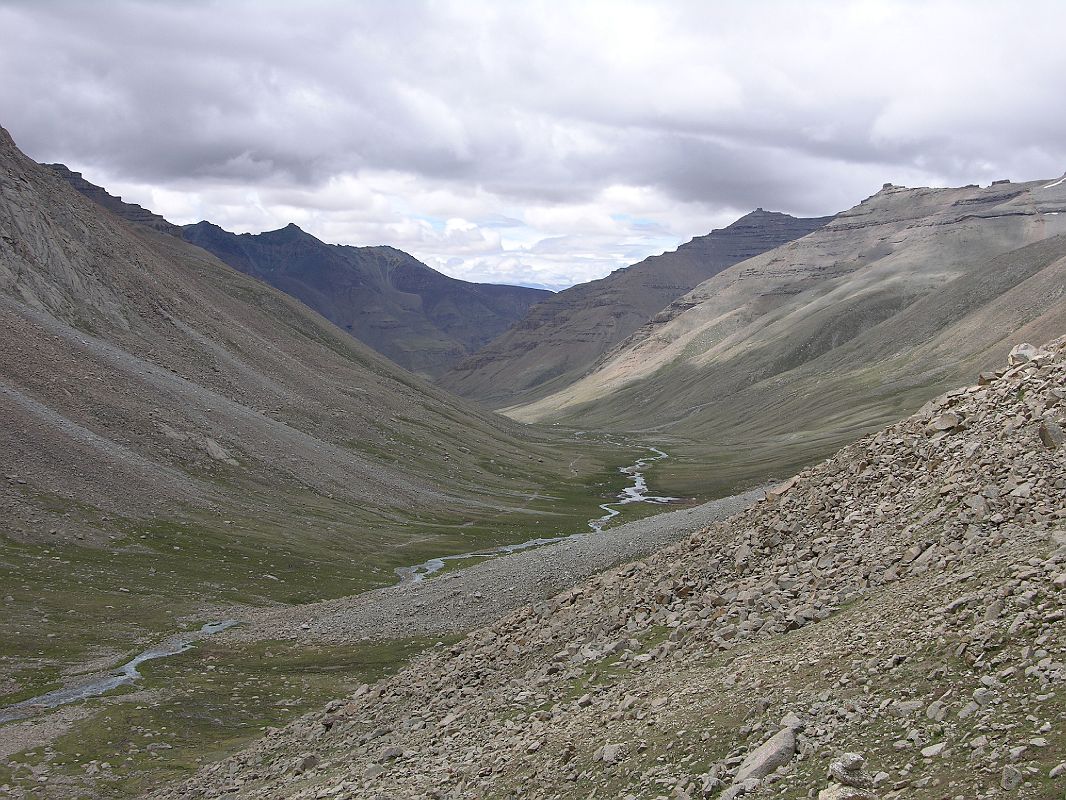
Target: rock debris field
column 886, row 624
column 479, row 594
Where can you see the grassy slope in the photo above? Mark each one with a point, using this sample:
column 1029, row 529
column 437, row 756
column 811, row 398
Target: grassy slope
column 773, row 408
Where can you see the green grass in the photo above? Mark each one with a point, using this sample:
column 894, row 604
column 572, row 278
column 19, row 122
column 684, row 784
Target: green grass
column 68, row 600
column 73, row 604
column 218, row 698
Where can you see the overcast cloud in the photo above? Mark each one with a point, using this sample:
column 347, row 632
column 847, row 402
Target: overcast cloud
column 537, row 142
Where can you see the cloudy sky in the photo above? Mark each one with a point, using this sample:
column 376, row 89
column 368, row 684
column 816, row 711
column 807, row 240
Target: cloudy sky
column 543, row 143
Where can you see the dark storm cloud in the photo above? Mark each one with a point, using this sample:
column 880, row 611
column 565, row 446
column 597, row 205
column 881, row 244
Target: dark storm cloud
column 507, row 110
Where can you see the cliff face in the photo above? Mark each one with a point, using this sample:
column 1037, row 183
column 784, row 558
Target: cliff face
column 563, row 336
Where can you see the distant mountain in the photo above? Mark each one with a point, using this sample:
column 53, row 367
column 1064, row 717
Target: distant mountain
column 782, row 358
column 563, row 336
column 421, row 319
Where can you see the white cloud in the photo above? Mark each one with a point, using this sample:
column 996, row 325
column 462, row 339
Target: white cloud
column 613, row 128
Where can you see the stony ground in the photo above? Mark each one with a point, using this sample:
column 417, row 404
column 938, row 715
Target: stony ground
column 887, row 624
column 479, row 594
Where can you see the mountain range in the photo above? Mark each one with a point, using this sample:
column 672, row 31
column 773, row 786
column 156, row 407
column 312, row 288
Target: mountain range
column 203, row 427
column 564, row 335
column 782, row 358
column 170, row 411
column 387, row 299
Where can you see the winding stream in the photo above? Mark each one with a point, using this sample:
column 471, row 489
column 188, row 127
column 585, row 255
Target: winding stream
column 637, row 493
column 128, row 673
column 122, row 676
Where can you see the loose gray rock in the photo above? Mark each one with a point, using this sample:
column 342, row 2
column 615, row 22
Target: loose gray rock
column 777, row 751
column 1011, row 778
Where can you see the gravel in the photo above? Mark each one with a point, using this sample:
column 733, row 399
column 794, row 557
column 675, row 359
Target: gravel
column 476, row 595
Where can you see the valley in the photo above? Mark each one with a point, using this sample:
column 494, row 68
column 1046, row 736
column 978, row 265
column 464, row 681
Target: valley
column 777, row 513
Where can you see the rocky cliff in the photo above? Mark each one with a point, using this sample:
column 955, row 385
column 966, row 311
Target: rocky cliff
column 887, row 624
column 564, row 335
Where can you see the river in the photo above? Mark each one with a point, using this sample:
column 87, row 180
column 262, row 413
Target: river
column 636, row 493
column 122, row 676
column 128, row 673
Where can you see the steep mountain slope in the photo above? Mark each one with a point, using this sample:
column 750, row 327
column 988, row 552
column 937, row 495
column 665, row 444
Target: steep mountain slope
column 564, row 335
column 782, row 358
column 177, row 434
column 116, row 205
column 387, row 299
column 886, row 624
column 419, row 318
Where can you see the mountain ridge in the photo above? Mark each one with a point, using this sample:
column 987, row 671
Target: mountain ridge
column 833, row 333
column 386, row 298
column 566, row 334
column 151, row 392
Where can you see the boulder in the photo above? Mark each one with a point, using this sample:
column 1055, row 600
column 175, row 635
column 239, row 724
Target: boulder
column 1025, row 353
column 947, row 421
column 1011, row 778
column 1051, row 434
column 841, row 792
column 740, row 788
column 777, row 751
column 848, row 770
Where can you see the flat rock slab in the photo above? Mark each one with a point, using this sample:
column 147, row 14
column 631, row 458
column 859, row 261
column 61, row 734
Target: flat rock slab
column 773, row 753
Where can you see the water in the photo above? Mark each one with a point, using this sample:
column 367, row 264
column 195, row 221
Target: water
column 122, row 676
column 128, row 674
column 637, row 493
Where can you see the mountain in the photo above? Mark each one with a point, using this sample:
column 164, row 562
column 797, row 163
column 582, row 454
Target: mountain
column 886, row 624
column 421, row 319
column 387, row 299
column 177, row 435
column 564, row 335
column 782, row 358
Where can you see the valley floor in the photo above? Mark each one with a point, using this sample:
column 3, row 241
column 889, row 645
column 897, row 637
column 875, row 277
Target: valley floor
column 464, row 599
column 282, row 660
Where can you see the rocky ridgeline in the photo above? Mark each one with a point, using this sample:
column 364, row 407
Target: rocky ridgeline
column 886, row 624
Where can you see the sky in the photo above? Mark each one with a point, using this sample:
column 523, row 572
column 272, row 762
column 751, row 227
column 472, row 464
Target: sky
column 539, row 143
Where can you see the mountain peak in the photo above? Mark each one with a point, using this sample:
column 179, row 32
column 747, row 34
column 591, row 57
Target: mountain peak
column 290, row 233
